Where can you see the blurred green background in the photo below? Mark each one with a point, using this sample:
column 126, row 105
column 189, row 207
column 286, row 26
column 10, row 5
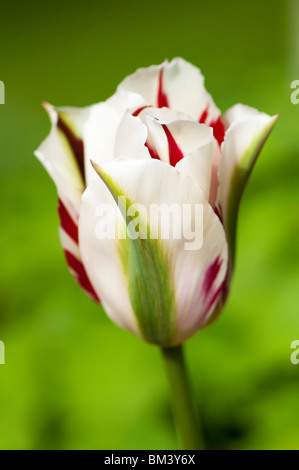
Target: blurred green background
column 73, row 380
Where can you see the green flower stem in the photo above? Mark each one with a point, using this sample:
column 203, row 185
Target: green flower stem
column 184, row 414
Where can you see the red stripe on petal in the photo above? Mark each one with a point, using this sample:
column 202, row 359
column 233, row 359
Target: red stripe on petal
column 211, row 275
column 204, row 116
column 214, row 298
column 67, row 223
column 210, row 293
column 138, row 111
column 218, row 212
column 152, row 151
column 81, row 276
column 175, row 153
column 218, row 126
column 75, row 143
column 218, row 130
column 162, row 99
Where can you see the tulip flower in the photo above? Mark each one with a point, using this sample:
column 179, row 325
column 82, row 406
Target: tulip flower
column 161, row 141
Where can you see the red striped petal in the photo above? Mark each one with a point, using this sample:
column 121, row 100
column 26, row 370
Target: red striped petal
column 214, row 298
column 162, row 99
column 138, row 111
column 152, row 151
column 67, row 223
column 77, row 267
column 75, row 143
column 175, row 153
column 218, row 126
column 218, row 130
column 211, row 294
column 204, row 116
column 211, row 275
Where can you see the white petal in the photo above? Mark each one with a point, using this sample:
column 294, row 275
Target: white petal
column 240, row 112
column 180, row 82
column 130, row 139
column 62, row 155
column 164, row 115
column 184, row 85
column 58, row 154
column 247, row 132
column 198, row 165
column 101, row 128
column 189, row 135
column 196, row 284
column 101, row 256
column 74, row 118
column 145, row 82
column 172, row 136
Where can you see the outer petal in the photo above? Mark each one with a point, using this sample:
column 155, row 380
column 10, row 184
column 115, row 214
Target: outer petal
column 185, row 283
column 178, row 85
column 101, row 128
column 145, row 82
column 247, row 132
column 62, row 154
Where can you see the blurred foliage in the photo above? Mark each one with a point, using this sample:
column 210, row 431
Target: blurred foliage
column 72, row 379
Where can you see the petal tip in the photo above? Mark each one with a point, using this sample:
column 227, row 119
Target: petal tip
column 47, row 106
column 99, row 171
column 94, row 165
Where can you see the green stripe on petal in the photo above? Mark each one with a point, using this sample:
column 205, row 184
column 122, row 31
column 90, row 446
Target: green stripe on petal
column 146, row 264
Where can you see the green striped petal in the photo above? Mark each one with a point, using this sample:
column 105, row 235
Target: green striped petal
column 147, row 268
